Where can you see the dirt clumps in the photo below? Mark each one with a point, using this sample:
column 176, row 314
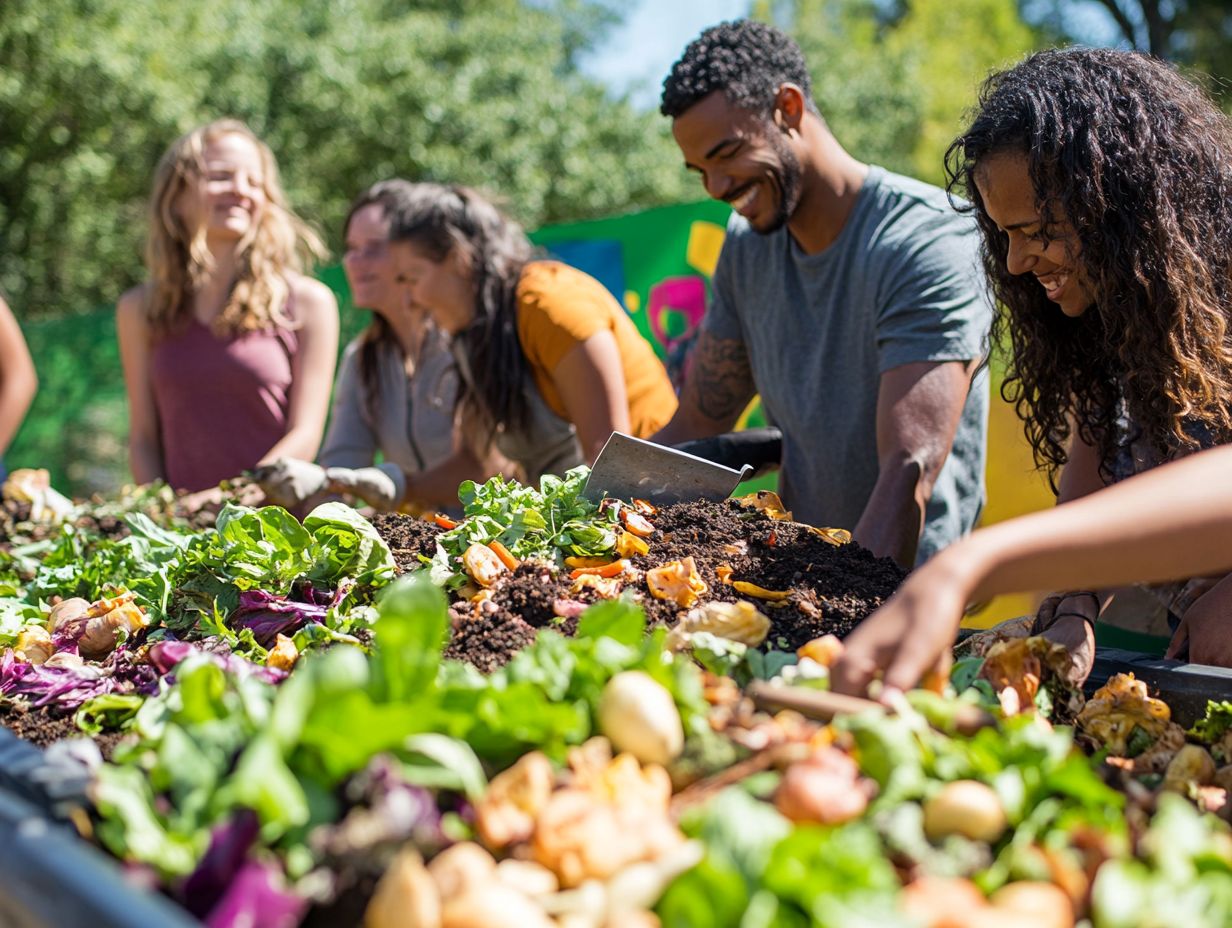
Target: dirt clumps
column 407, row 537
column 832, row 587
column 487, row 639
column 41, row 728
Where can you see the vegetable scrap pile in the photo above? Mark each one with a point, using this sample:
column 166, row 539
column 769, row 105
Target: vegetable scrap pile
column 523, row 559
column 606, row 780
column 508, row 737
column 90, row 614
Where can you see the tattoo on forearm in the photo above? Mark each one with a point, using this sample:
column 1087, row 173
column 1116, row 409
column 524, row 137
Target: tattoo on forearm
column 720, row 382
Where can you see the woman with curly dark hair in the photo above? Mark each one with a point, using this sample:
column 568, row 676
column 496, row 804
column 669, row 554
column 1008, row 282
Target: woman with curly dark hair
column 1102, row 184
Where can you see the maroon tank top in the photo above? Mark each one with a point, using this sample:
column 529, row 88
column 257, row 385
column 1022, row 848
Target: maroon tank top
column 222, row 402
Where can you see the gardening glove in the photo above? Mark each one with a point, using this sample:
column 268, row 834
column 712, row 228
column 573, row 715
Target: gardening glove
column 381, row 487
column 760, row 448
column 289, row 482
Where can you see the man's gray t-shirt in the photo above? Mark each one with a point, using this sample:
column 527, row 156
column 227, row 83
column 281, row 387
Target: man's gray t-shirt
column 901, row 283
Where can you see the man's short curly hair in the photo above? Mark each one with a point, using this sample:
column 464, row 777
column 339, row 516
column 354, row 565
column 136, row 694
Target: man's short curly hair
column 747, row 60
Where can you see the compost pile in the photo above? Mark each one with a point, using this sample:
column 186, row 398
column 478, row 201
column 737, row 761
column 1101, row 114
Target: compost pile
column 808, row 582
column 568, row 715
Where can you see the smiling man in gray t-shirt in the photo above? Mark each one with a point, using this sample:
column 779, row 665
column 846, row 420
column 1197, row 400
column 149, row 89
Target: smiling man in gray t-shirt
column 850, row 298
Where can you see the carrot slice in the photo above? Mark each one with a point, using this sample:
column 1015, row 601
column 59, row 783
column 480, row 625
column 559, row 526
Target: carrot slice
column 444, row 521
column 506, row 557
column 614, row 569
column 588, row 561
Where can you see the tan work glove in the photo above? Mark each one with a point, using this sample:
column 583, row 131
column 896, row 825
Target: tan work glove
column 381, row 487
column 289, row 482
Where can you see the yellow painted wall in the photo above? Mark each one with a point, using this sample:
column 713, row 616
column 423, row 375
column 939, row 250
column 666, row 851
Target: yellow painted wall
column 1014, row 488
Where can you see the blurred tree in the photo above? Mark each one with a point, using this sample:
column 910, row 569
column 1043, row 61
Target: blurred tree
column 894, row 77
column 1196, row 33
column 346, row 92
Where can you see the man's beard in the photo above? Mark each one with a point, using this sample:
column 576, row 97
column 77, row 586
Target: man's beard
column 787, row 181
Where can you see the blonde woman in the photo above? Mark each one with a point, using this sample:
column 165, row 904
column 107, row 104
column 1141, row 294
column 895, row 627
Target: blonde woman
column 228, row 349
column 18, row 381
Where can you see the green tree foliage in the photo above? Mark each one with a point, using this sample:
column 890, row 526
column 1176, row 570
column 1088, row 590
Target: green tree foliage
column 1194, row 33
column 894, row 79
column 346, row 92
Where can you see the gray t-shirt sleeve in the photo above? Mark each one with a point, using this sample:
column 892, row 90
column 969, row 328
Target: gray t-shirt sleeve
column 721, row 319
column 934, row 303
column 349, row 441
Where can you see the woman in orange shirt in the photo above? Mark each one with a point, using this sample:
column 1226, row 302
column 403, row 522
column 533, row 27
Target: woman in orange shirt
column 550, row 364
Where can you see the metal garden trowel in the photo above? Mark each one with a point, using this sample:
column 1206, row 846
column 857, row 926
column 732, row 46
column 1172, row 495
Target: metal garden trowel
column 630, row 468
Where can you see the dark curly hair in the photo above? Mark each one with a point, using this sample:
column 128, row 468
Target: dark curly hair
column 747, row 60
column 1139, row 161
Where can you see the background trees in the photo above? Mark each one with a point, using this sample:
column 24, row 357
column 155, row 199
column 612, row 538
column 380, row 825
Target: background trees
column 345, row 91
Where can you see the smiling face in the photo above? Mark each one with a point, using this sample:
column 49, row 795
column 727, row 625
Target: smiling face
column 229, row 197
column 442, row 288
column 743, row 159
column 368, row 261
column 1048, row 250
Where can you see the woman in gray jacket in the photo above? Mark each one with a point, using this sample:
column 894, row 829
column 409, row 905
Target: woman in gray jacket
column 395, row 390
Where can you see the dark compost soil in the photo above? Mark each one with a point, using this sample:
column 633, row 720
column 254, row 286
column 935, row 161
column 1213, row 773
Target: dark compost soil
column 833, row 587
column 407, row 537
column 41, row 727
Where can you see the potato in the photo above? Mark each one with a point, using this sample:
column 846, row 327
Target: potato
column 943, row 902
column 825, row 788
column 1192, row 766
column 460, row 868
column 493, row 904
column 965, row 807
column 405, row 897
column 1046, row 904
column 638, row 715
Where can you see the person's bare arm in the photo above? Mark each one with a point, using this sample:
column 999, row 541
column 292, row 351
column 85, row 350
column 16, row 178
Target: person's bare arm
column 1074, row 626
column 1172, row 522
column 918, row 409
column 590, row 380
column 18, row 380
column 312, row 372
column 145, row 452
column 717, row 389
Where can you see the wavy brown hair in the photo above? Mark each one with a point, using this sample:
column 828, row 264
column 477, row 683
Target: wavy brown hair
column 177, row 258
column 438, row 219
column 1139, row 161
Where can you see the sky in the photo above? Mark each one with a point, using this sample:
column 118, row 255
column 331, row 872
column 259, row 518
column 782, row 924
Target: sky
column 638, row 53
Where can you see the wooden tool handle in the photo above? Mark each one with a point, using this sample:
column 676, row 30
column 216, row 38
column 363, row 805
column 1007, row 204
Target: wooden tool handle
column 814, row 704
column 825, row 706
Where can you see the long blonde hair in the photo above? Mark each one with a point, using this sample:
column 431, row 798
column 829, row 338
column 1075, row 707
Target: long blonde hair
column 179, row 262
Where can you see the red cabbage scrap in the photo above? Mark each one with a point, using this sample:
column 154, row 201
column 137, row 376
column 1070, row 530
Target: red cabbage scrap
column 68, row 687
column 257, row 897
column 268, row 615
column 230, row 843
column 165, row 655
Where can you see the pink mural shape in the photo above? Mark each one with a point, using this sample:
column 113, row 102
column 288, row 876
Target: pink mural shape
column 683, row 295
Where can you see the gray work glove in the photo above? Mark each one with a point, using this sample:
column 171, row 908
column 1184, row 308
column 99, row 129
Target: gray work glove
column 289, row 482
column 381, row 487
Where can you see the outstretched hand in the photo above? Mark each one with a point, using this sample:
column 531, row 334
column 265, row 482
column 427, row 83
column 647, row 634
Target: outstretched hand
column 381, row 487
column 909, row 637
